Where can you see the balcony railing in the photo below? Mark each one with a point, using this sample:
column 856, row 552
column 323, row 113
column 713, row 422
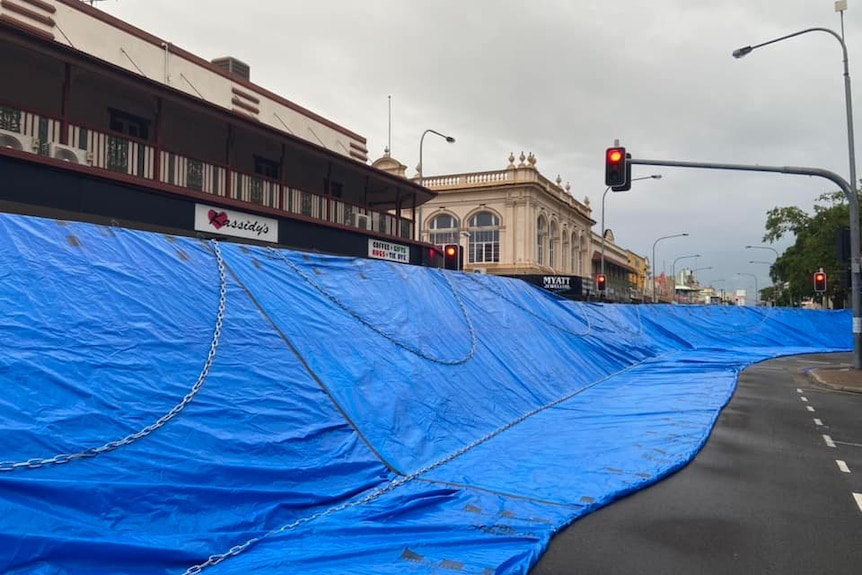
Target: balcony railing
column 124, row 155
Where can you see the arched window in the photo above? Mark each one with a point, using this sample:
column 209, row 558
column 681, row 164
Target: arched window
column 541, row 231
column 564, row 253
column 576, row 247
column 552, row 246
column 484, row 242
column 443, row 230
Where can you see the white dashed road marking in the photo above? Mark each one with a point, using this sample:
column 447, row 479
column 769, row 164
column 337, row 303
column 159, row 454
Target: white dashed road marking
column 798, row 390
column 828, row 440
column 809, row 408
column 803, row 398
column 858, row 498
column 817, row 422
column 842, row 465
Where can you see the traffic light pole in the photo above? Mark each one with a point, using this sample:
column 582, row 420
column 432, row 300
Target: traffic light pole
column 853, row 202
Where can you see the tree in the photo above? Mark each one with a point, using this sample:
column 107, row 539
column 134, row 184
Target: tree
column 815, row 247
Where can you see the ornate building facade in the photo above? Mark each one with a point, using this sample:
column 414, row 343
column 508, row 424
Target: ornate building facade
column 510, row 222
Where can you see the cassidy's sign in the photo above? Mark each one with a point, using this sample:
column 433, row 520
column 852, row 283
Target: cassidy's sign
column 388, row 251
column 236, row 224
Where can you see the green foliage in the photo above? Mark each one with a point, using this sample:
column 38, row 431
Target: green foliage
column 815, row 246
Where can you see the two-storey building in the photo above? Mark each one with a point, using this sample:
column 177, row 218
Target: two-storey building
column 104, row 122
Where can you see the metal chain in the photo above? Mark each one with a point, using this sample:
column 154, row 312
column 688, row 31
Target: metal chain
column 503, row 296
column 412, row 349
column 36, row 462
column 395, row 483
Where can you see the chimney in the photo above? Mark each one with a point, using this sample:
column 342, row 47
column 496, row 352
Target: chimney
column 233, row 66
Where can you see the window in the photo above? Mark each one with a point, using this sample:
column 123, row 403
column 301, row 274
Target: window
column 444, row 230
column 266, row 168
column 541, row 230
column 484, row 242
column 576, row 268
column 118, row 148
column 564, row 253
column 552, row 246
column 129, row 124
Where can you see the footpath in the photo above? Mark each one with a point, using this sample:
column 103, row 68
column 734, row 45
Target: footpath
column 834, row 370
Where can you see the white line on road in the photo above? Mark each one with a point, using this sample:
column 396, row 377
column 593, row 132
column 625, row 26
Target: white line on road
column 798, row 390
column 817, row 422
column 803, row 398
column 809, row 408
column 842, row 465
column 828, row 440
column 858, row 498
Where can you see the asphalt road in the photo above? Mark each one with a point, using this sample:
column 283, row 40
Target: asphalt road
column 776, row 489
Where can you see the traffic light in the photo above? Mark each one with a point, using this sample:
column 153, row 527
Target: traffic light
column 842, row 244
column 601, row 282
column 452, row 257
column 820, row 281
column 615, row 167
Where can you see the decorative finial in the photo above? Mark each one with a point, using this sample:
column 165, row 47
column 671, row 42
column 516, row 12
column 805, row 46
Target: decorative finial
column 559, row 181
column 569, row 187
column 587, row 201
column 532, row 160
column 511, row 160
column 522, row 158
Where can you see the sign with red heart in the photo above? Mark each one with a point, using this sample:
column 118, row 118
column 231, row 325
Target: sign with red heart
column 236, row 224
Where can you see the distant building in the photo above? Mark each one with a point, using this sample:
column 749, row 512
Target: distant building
column 516, row 222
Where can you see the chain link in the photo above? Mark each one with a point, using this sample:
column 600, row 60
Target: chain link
column 36, row 463
column 397, row 482
column 412, row 349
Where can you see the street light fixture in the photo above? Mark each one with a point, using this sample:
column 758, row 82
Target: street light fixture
column 756, row 291
column 852, row 198
column 451, row 140
column 654, row 294
column 652, row 177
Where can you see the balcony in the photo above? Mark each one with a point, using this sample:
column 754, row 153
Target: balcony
column 41, row 134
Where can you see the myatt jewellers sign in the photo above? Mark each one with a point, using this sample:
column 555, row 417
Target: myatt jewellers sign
column 388, row 251
column 565, row 286
column 236, row 224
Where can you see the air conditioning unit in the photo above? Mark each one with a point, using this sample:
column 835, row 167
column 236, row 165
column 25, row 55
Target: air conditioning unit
column 68, row 154
column 15, row 141
column 362, row 221
column 480, row 270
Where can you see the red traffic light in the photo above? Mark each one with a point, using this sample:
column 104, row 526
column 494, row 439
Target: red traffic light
column 452, row 257
column 819, row 282
column 601, row 281
column 616, row 167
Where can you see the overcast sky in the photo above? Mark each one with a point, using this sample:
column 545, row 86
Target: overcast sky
column 563, row 79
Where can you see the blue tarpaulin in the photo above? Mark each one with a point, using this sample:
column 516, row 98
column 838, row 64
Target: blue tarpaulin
column 172, row 405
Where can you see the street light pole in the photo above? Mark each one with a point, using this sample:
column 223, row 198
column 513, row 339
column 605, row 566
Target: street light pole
column 756, row 291
column 451, row 140
column 652, row 177
column 852, row 198
column 777, row 291
column 673, row 270
column 654, row 293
